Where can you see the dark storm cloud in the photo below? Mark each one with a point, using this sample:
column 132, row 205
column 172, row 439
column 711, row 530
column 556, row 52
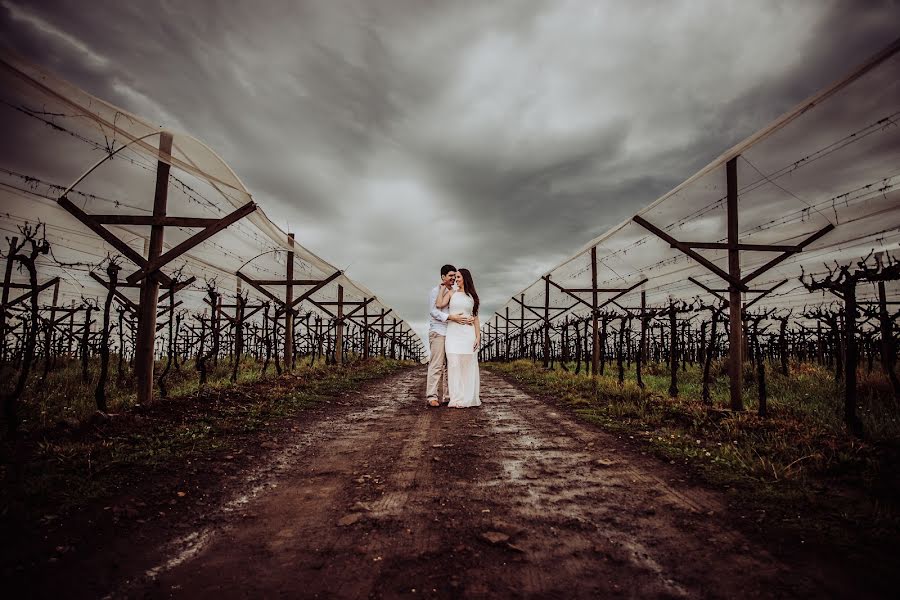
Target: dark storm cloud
column 395, row 136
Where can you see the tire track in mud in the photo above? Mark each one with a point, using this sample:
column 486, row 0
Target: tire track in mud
column 515, row 499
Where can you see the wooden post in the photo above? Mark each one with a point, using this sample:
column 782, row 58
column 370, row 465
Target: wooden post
column 289, row 313
column 339, row 328
column 506, row 334
column 365, row 328
column 546, row 322
column 522, row 327
column 51, row 329
column 146, row 334
column 381, row 344
column 885, row 326
column 6, row 279
column 735, row 358
column 851, row 358
column 595, row 335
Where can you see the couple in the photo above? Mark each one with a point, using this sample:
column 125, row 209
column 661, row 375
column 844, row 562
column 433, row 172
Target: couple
column 454, row 334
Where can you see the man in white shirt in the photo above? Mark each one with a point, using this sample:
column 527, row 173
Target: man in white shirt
column 437, row 331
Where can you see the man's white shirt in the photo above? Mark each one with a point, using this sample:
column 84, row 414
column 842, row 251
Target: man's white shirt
column 437, row 321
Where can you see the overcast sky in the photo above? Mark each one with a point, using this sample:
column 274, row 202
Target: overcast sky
column 394, row 136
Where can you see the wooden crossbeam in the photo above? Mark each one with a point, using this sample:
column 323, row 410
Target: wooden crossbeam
column 312, row 291
column 219, row 310
column 126, row 250
column 177, row 287
column 382, row 316
column 124, row 300
column 749, row 247
column 287, row 281
column 161, row 311
column 154, row 220
column 358, row 308
column 131, row 307
column 360, row 304
column 764, row 293
column 622, row 293
column 588, row 290
column 778, row 259
column 255, row 310
column 258, row 287
column 710, row 290
column 154, row 265
column 540, row 317
column 738, row 284
column 516, row 324
column 27, row 295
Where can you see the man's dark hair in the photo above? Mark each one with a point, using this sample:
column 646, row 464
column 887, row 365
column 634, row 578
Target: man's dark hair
column 446, row 269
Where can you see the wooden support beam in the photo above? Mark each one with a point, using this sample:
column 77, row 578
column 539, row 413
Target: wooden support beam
column 107, row 236
column 595, row 335
column 290, row 282
column 359, row 306
column 288, row 298
column 260, row 289
column 27, row 295
column 146, row 334
column 154, row 264
column 589, row 290
column 764, row 293
column 742, row 247
column 339, row 331
column 123, row 299
column 177, row 287
column 151, row 220
column 546, row 321
column 778, row 259
column 697, row 257
column 308, row 293
column 620, row 294
column 735, row 325
column 711, row 291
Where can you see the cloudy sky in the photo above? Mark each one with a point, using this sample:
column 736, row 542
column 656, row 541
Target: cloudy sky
column 394, row 136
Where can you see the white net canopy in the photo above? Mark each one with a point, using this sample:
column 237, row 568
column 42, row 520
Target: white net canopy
column 832, row 161
column 58, row 136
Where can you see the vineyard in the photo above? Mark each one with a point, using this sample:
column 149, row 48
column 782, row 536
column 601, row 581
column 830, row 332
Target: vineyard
column 780, row 253
column 703, row 401
column 135, row 254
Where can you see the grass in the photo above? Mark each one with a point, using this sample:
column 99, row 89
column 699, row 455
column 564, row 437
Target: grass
column 64, row 398
column 53, row 470
column 799, row 467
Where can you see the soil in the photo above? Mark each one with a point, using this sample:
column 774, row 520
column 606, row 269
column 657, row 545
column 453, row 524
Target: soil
column 380, row 496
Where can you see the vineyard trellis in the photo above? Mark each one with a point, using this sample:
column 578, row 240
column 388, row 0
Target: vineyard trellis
column 154, row 250
column 807, row 203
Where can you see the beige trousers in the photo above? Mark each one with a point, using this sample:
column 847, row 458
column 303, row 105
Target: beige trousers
column 437, row 368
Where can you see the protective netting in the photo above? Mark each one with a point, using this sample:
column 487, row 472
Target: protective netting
column 55, row 132
column 834, row 159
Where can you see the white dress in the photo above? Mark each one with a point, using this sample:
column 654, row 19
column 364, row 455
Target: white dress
column 463, row 380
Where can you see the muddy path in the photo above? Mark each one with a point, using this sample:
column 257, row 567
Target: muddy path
column 514, row 499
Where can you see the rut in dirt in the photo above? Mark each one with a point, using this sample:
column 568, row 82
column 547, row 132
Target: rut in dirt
column 513, row 499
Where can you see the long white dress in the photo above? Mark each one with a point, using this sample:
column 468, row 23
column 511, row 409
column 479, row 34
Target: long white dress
column 463, row 380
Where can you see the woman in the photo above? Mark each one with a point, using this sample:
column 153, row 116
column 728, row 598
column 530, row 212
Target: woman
column 461, row 344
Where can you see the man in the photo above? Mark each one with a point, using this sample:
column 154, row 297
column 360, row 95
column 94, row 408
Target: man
column 437, row 331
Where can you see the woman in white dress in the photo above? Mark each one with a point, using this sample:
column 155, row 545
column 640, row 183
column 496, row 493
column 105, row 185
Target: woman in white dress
column 462, row 341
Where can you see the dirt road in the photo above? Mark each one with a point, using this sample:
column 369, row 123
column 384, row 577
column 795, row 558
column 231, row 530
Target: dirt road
column 514, row 499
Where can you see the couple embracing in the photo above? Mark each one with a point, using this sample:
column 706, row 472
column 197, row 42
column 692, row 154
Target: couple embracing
column 454, row 334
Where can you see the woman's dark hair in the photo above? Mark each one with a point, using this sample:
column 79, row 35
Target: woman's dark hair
column 470, row 289
column 446, row 269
